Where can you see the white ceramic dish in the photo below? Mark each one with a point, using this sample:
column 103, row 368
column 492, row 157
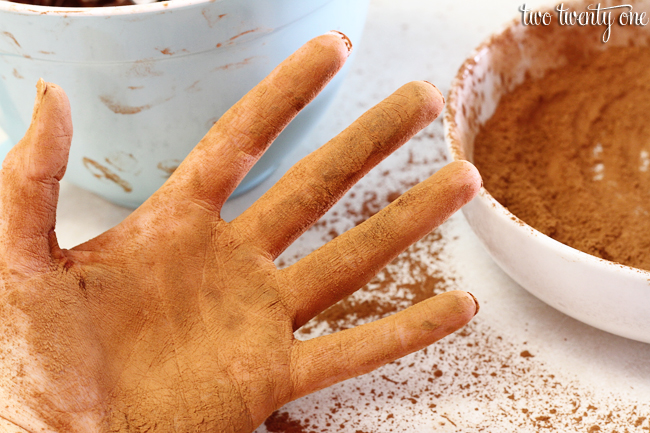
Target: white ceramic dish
column 146, row 82
column 606, row 295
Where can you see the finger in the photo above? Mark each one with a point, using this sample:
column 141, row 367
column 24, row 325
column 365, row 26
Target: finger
column 313, row 185
column 223, row 157
column 29, row 181
column 324, row 361
column 349, row 261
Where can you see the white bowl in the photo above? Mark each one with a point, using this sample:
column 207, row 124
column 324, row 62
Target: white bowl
column 606, row 295
column 146, row 82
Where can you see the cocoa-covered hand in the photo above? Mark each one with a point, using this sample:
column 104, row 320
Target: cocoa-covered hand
column 178, row 321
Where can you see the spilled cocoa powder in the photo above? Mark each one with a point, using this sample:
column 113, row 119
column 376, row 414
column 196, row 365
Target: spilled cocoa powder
column 511, row 391
column 478, row 379
column 422, row 285
column 569, row 154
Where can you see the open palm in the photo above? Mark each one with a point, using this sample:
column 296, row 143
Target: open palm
column 177, row 321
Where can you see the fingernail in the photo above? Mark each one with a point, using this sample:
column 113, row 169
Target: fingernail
column 41, row 88
column 441, row 95
column 341, row 35
column 478, row 306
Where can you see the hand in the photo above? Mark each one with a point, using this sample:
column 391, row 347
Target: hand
column 177, row 321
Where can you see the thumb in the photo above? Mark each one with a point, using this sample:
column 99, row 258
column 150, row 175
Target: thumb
column 29, row 181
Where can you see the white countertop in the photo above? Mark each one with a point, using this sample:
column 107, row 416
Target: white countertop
column 579, row 379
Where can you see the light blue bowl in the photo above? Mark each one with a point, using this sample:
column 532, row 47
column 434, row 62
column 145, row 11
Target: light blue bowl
column 147, row 82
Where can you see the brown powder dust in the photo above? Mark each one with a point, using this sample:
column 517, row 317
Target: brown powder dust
column 479, row 379
column 570, row 154
column 507, row 384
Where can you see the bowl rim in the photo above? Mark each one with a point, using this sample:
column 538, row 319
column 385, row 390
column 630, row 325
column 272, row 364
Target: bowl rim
column 29, row 9
column 108, row 11
column 454, row 146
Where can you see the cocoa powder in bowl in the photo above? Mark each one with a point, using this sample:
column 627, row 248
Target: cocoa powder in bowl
column 569, row 154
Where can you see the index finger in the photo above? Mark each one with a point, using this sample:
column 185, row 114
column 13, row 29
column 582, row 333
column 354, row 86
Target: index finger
column 215, row 167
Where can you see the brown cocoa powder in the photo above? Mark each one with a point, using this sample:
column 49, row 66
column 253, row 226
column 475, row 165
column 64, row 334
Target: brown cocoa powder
column 569, row 154
column 477, row 379
column 476, row 363
column 281, row 422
